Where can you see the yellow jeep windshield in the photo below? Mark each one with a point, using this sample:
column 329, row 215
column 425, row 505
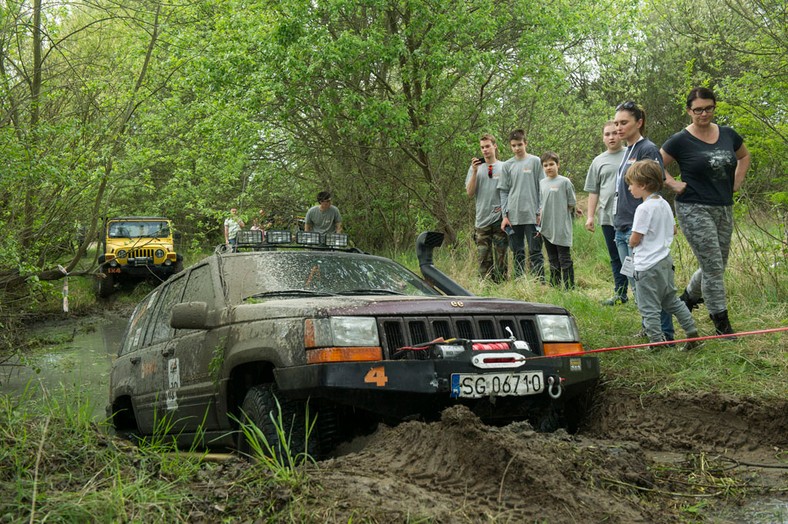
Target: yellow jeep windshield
column 139, row 229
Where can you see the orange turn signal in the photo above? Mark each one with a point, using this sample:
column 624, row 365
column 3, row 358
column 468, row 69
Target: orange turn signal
column 350, row 354
column 552, row 349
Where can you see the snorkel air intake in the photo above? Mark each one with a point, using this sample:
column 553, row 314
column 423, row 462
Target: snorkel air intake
column 426, row 242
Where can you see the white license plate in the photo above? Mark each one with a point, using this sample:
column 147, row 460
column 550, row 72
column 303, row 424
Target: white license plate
column 496, row 384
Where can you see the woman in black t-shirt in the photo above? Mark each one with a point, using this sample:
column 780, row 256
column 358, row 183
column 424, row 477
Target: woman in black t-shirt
column 713, row 161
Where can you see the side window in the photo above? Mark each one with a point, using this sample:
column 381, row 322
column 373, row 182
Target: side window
column 136, row 328
column 160, row 329
column 200, row 286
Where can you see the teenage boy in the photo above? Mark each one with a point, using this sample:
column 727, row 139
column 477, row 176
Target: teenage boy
column 601, row 188
column 653, row 228
column 481, row 182
column 519, row 193
column 323, row 218
column 557, row 195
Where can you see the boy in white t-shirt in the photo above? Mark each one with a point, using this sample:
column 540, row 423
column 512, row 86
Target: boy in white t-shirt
column 653, row 228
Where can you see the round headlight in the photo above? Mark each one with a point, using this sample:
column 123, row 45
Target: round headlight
column 122, row 253
column 159, row 253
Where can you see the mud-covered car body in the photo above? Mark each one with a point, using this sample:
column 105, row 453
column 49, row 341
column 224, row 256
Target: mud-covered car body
column 136, row 248
column 358, row 335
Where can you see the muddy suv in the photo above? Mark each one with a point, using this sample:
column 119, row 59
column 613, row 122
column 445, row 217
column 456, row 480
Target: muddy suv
column 134, row 249
column 357, row 337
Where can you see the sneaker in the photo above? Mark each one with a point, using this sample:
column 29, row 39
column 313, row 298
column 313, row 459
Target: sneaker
column 614, row 301
column 691, row 345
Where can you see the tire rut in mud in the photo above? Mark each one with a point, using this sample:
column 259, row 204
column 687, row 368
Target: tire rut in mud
column 460, row 470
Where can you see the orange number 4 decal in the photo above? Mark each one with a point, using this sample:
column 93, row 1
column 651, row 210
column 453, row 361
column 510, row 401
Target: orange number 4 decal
column 376, row 376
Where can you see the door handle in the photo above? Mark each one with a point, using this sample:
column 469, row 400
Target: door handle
column 167, row 351
column 134, row 360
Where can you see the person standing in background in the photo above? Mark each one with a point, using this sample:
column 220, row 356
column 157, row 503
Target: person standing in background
column 324, row 217
column 601, row 188
column 630, row 122
column 481, row 182
column 519, row 191
column 232, row 225
column 557, row 195
column 653, row 229
column 713, row 161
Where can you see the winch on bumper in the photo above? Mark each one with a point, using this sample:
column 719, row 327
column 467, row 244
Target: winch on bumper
column 498, row 378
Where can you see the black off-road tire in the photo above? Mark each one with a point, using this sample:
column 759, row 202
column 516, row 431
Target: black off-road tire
column 106, row 285
column 260, row 407
column 178, row 267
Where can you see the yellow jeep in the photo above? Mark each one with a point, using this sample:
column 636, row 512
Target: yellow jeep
column 136, row 248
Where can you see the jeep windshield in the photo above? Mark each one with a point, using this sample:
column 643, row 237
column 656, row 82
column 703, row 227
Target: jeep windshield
column 280, row 273
column 138, row 229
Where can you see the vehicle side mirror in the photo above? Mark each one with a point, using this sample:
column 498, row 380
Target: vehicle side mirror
column 189, row 315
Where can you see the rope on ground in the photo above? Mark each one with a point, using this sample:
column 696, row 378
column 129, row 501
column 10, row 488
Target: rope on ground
column 664, row 343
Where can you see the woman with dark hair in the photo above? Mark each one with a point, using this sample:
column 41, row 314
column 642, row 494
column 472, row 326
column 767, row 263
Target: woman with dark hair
column 630, row 122
column 713, row 161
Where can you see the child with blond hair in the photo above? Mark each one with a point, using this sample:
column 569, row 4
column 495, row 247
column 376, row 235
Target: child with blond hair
column 653, row 229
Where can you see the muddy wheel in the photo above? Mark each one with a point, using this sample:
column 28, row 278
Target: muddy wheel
column 106, row 285
column 577, row 410
column 282, row 425
column 178, row 267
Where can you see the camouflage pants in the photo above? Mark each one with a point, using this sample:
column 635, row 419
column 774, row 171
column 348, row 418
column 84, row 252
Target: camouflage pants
column 491, row 244
column 708, row 230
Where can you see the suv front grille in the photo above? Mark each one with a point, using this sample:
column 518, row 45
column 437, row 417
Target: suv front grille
column 397, row 332
column 141, row 253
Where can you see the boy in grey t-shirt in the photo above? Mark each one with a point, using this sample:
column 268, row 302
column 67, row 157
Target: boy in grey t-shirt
column 558, row 206
column 601, row 187
column 519, row 193
column 323, row 218
column 481, row 182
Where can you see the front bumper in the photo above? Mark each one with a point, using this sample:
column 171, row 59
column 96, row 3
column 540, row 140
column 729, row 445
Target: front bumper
column 403, row 388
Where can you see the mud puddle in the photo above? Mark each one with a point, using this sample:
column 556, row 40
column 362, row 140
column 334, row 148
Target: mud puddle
column 73, row 356
column 669, row 459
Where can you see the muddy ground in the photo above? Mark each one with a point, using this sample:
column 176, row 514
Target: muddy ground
column 639, row 458
column 677, row 458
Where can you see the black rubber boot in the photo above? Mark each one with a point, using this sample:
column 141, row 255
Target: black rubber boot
column 722, row 325
column 689, row 302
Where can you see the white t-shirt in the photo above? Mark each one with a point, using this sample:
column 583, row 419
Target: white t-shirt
column 654, row 220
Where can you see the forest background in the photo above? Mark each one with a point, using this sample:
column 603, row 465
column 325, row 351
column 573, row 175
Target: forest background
column 187, row 109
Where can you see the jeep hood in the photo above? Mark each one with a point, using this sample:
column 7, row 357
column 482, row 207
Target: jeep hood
column 387, row 306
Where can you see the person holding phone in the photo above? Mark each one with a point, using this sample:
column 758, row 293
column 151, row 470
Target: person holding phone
column 481, row 182
column 520, row 203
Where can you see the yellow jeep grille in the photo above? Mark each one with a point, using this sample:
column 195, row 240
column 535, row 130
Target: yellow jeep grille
column 143, row 252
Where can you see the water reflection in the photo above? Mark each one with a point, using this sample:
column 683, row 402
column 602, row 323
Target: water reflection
column 81, row 364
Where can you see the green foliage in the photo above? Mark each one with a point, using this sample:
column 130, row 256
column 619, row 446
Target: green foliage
column 279, row 458
column 187, row 110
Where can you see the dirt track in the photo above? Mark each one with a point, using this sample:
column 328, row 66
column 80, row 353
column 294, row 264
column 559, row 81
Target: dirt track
column 639, row 460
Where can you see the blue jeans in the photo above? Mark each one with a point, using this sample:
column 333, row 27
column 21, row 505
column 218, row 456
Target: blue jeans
column 622, row 244
column 620, row 281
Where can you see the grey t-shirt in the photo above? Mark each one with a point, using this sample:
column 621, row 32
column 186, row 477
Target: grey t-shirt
column 323, row 222
column 557, row 195
column 488, row 204
column 519, row 188
column 601, row 179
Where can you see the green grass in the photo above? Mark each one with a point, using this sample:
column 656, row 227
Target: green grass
column 757, row 289
column 58, row 465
